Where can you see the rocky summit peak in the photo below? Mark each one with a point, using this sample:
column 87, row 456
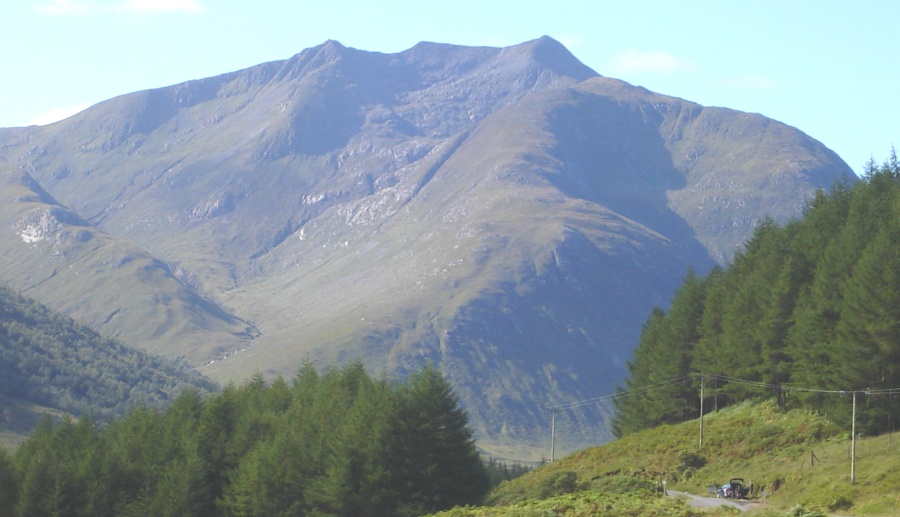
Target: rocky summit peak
column 552, row 54
column 331, row 49
column 329, row 52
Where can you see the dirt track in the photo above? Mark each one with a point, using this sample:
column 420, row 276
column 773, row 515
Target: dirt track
column 711, row 502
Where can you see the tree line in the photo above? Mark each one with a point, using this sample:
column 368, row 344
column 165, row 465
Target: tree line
column 338, row 443
column 48, row 359
column 814, row 303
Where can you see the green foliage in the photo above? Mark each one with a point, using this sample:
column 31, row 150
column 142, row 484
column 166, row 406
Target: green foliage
column 758, row 442
column 585, row 504
column 664, row 357
column 340, row 443
column 814, row 304
column 558, row 483
column 433, row 450
column 8, row 484
column 733, row 438
column 840, row 502
column 689, row 459
column 48, row 359
column 499, row 471
column 622, row 484
column 800, row 511
column 688, row 464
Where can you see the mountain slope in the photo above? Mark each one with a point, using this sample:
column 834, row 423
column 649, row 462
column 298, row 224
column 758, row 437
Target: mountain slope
column 109, row 284
column 48, row 363
column 507, row 214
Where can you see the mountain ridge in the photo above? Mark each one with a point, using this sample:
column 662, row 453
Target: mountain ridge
column 507, row 214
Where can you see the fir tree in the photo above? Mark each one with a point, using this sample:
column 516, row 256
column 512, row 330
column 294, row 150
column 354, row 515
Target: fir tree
column 434, row 462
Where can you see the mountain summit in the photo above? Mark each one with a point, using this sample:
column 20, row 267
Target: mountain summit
column 504, row 213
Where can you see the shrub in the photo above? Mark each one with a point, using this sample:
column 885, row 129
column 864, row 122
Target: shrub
column 840, row 502
column 800, row 511
column 622, row 485
column 688, row 459
column 558, row 483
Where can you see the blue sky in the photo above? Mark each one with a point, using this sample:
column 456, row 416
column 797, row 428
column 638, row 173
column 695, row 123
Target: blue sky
column 827, row 67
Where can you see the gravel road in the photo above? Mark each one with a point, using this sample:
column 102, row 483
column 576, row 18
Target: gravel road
column 709, row 502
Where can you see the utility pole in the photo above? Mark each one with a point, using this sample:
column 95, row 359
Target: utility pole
column 853, row 444
column 553, row 434
column 701, row 412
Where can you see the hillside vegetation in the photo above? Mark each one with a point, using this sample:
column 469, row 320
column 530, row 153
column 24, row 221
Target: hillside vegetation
column 808, row 313
column 50, row 364
column 801, row 452
column 340, row 443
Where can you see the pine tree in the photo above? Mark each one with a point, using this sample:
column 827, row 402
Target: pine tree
column 663, row 362
column 8, row 484
column 682, row 333
column 56, row 469
column 634, row 410
column 213, row 438
column 868, row 334
column 356, row 481
column 434, row 462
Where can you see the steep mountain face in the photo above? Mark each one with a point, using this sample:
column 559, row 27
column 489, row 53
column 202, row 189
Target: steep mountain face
column 506, row 214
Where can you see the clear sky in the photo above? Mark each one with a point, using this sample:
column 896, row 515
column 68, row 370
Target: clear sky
column 828, row 67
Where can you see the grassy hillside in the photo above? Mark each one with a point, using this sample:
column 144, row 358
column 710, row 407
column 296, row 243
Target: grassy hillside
column 757, row 442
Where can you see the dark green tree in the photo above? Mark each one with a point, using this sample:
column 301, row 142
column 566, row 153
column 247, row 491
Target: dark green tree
column 214, row 434
column 57, row 471
column 434, row 462
column 8, row 484
column 868, row 334
column 357, row 481
column 634, row 409
column 340, row 443
column 662, row 388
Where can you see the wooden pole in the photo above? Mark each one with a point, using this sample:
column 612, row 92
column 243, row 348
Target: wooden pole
column 853, row 444
column 701, row 412
column 552, row 434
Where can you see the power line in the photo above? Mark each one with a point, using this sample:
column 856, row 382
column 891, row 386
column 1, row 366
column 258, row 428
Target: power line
column 788, row 387
column 718, row 377
column 624, row 393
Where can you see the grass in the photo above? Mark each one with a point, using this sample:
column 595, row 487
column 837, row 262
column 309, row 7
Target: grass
column 637, row 504
column 807, row 454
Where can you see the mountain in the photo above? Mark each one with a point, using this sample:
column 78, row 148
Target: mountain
column 504, row 213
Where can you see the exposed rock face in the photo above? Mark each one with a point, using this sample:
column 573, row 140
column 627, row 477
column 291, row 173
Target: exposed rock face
column 507, row 214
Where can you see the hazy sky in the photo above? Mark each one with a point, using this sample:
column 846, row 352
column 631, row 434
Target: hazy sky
column 827, row 67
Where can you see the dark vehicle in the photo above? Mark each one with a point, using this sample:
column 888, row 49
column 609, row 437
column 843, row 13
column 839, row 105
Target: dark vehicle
column 734, row 489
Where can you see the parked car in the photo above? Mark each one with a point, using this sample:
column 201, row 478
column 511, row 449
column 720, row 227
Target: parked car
column 734, row 489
